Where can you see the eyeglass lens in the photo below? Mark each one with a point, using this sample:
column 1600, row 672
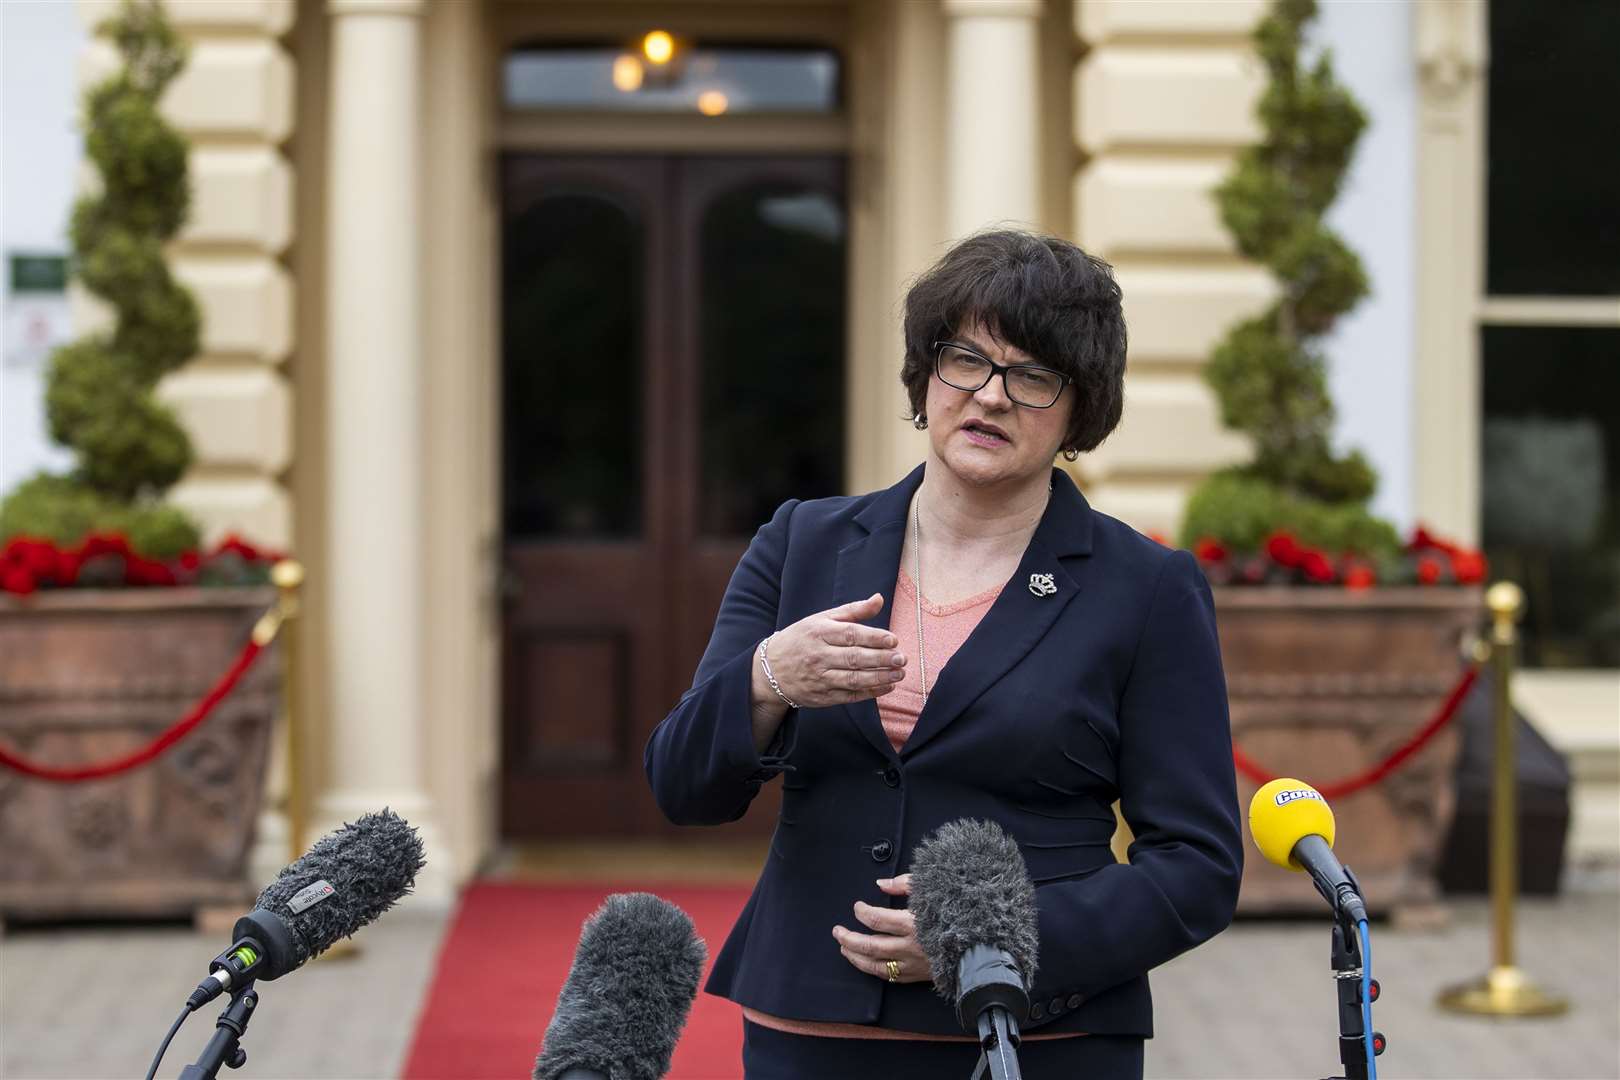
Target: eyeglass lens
column 1036, row 387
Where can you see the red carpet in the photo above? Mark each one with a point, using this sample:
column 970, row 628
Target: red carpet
column 504, row 960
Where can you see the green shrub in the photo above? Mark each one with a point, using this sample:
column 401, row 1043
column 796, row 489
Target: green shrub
column 1342, row 527
column 1268, row 373
column 1234, row 508
column 64, row 511
column 1241, row 509
column 98, row 397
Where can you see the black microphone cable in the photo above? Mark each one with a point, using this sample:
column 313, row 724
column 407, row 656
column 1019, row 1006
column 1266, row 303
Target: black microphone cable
column 156, row 1061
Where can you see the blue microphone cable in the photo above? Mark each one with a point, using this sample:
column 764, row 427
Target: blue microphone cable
column 1366, row 999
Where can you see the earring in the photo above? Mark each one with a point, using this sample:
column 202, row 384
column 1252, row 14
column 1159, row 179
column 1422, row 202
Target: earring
column 1071, row 454
column 920, row 422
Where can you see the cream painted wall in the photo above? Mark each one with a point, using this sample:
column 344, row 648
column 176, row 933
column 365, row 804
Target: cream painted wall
column 1163, row 97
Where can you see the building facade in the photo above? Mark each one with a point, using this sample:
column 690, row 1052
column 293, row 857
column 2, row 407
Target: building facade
column 511, row 528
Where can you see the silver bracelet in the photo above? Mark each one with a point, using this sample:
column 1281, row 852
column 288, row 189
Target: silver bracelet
column 765, row 663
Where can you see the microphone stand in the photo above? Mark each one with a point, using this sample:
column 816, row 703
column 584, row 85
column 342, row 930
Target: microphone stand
column 992, row 999
column 998, row 1034
column 1347, row 967
column 222, row 1049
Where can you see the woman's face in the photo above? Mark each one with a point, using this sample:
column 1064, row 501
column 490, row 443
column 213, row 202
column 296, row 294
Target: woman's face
column 983, row 436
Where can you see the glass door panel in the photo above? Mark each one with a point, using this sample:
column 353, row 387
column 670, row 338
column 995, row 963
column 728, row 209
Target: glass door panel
column 571, row 403
column 771, row 346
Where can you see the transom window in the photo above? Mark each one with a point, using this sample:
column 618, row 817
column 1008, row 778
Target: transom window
column 662, row 73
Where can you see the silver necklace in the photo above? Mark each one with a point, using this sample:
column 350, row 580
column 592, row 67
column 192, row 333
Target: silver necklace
column 916, row 579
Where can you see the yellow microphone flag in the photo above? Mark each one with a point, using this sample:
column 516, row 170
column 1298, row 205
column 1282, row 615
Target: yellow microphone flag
column 1284, row 812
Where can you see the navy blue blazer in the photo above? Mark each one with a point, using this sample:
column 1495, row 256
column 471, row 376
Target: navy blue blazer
column 1055, row 706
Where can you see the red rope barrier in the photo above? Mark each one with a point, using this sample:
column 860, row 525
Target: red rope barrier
column 1368, row 777
column 178, row 731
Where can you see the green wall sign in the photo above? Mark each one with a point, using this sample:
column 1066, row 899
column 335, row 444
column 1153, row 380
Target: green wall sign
column 39, row 273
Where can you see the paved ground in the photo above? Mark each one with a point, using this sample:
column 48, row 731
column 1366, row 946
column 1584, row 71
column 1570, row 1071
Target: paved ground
column 1255, row 1003
column 1258, row 1001
column 90, row 1003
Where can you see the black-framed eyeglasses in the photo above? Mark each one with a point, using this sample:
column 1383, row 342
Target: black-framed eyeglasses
column 1030, row 385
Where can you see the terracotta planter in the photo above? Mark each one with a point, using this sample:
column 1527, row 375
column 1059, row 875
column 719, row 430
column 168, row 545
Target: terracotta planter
column 88, row 675
column 1325, row 683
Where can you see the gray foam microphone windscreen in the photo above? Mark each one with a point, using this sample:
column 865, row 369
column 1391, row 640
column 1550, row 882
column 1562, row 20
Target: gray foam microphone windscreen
column 627, row 996
column 369, row 863
column 970, row 887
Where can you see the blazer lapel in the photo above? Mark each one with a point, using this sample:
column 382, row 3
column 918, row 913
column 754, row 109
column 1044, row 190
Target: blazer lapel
column 1018, row 619
column 870, row 565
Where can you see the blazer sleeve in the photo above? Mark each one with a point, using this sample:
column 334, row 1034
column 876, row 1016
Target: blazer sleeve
column 701, row 760
column 1178, row 793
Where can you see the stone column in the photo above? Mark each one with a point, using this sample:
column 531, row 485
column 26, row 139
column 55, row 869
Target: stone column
column 992, row 162
column 374, row 372
column 1452, row 42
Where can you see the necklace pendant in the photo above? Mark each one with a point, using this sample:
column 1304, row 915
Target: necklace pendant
column 1042, row 584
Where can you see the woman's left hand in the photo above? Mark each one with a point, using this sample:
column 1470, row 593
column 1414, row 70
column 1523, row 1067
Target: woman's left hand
column 894, row 938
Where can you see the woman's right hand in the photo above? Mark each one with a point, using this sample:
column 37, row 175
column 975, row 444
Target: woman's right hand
column 830, row 658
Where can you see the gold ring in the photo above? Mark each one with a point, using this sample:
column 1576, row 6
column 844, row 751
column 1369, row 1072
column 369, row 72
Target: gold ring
column 894, row 970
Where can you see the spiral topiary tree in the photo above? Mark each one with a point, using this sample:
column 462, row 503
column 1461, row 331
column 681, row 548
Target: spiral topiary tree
column 1268, row 372
column 99, row 399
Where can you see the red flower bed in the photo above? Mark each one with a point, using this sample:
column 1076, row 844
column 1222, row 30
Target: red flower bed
column 1284, row 560
column 106, row 560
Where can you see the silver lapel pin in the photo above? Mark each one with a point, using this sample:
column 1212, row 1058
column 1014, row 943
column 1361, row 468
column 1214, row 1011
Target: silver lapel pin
column 1042, row 584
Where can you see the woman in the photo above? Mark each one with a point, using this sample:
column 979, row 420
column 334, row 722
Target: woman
column 974, row 642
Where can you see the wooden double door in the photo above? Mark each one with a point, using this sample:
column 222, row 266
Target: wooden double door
column 673, row 337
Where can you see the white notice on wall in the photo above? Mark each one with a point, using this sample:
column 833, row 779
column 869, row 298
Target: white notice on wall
column 37, row 318
column 36, row 323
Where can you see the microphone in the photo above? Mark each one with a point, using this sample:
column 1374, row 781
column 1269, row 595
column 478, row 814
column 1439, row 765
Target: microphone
column 627, row 995
column 974, row 906
column 346, row 880
column 1293, row 827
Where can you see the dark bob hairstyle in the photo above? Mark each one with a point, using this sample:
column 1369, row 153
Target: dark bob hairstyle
column 1038, row 293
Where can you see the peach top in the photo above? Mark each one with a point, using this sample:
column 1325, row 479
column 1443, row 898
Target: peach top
column 945, row 627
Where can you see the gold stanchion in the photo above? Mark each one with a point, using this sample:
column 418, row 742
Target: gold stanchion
column 288, row 576
column 1505, row 990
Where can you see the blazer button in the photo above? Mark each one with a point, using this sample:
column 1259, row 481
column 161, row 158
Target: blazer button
column 1037, row 1011
column 881, row 851
column 891, row 776
column 1075, row 1000
column 1055, row 1006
